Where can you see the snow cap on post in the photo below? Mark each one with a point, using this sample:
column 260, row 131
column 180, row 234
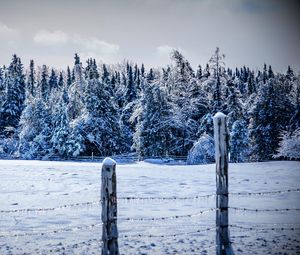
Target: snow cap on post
column 219, row 115
column 109, row 162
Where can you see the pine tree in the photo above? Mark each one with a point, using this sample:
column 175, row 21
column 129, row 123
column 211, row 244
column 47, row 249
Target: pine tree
column 53, row 80
column 199, row 72
column 206, row 125
column 183, row 88
column 31, row 80
column 101, row 128
column 35, row 130
column 76, row 91
column 264, row 74
column 269, row 116
column 130, row 94
column 60, row 82
column 217, row 80
column 234, row 107
column 154, row 117
column 251, row 88
column 44, row 83
column 62, row 130
column 239, row 142
column 69, row 77
column 15, row 95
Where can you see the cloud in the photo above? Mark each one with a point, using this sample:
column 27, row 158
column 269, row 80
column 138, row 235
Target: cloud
column 165, row 50
column 46, row 37
column 86, row 46
column 6, row 31
column 96, row 45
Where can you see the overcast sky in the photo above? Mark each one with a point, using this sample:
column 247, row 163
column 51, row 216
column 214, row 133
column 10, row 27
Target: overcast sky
column 249, row 32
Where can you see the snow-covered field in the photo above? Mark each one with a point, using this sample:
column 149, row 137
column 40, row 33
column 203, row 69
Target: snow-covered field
column 76, row 229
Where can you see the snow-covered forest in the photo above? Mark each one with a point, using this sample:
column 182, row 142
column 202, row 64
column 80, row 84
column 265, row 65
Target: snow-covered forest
column 101, row 109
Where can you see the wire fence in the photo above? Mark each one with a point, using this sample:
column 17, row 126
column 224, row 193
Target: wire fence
column 95, row 158
column 295, row 227
column 138, row 199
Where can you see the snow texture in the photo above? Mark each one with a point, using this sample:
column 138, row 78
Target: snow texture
column 42, row 184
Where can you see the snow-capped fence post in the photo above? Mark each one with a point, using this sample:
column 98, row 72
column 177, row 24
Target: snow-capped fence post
column 221, row 137
column 109, row 208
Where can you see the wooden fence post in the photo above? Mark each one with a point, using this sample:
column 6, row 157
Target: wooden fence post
column 221, row 136
column 109, row 208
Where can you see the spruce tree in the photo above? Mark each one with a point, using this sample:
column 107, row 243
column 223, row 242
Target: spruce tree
column 15, row 95
column 31, row 80
column 269, row 117
column 155, row 122
column 44, row 83
column 239, row 142
column 53, row 83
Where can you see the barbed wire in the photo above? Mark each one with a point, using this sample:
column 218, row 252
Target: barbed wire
column 56, row 231
column 170, row 235
column 78, row 228
column 166, row 198
column 50, row 208
column 170, row 217
column 263, row 228
column 264, row 210
column 264, row 192
column 211, row 195
column 157, row 198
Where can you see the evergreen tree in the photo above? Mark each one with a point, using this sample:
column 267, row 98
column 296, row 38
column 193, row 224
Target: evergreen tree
column 217, row 80
column 294, row 122
column 62, row 130
column 35, row 130
column 44, row 83
column 31, row 80
column 269, row 116
column 234, row 107
column 270, row 72
column 265, row 74
column 239, row 142
column 184, row 97
column 206, row 125
column 199, row 72
column 15, row 95
column 131, row 94
column 251, row 88
column 76, row 91
column 60, row 82
column 2, row 88
column 69, row 77
column 154, row 115
column 53, row 83
column 101, row 128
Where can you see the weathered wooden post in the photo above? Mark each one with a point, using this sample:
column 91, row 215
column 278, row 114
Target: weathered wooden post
column 109, row 208
column 221, row 136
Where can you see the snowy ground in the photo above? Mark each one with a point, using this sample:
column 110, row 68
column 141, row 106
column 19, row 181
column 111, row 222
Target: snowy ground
column 77, row 230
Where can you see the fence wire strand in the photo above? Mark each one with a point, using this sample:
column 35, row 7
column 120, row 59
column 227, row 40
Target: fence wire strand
column 159, row 198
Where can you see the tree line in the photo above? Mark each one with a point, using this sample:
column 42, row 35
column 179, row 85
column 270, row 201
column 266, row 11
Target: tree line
column 123, row 108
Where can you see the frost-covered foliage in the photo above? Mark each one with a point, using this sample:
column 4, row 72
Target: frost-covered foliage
column 126, row 108
column 270, row 115
column 8, row 147
column 154, row 122
column 203, row 151
column 35, row 129
column 289, row 146
column 239, row 142
column 14, row 97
